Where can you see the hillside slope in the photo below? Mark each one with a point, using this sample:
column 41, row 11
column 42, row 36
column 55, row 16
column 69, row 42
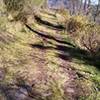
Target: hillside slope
column 38, row 62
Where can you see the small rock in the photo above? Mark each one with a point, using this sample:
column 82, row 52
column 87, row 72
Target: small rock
column 70, row 90
column 2, row 74
column 18, row 94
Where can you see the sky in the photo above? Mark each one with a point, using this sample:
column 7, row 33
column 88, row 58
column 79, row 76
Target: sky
column 94, row 1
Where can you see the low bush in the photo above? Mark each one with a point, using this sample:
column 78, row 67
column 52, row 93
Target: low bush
column 73, row 26
column 14, row 5
column 90, row 41
column 16, row 9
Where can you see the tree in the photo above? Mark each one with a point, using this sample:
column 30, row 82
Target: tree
column 74, row 6
column 89, row 3
column 85, row 5
column 81, row 4
column 96, row 11
column 88, row 7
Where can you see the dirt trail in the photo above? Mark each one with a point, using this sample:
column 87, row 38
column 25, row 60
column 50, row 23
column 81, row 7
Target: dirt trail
column 63, row 68
column 48, row 71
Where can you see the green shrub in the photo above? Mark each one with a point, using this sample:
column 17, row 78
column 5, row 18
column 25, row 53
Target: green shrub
column 21, row 16
column 16, row 8
column 14, row 5
column 90, row 41
column 73, row 26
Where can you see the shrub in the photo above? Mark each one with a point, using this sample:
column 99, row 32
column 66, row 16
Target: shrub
column 16, row 8
column 91, row 41
column 64, row 16
column 77, row 23
column 14, row 5
column 22, row 17
column 73, row 26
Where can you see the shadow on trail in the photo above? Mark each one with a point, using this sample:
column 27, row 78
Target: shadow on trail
column 68, row 53
column 45, row 35
column 41, row 46
column 40, row 21
column 79, row 54
column 69, row 48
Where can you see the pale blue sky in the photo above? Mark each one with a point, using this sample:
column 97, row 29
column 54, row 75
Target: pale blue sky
column 94, row 1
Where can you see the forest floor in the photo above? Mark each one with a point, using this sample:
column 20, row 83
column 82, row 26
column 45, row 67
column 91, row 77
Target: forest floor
column 39, row 62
